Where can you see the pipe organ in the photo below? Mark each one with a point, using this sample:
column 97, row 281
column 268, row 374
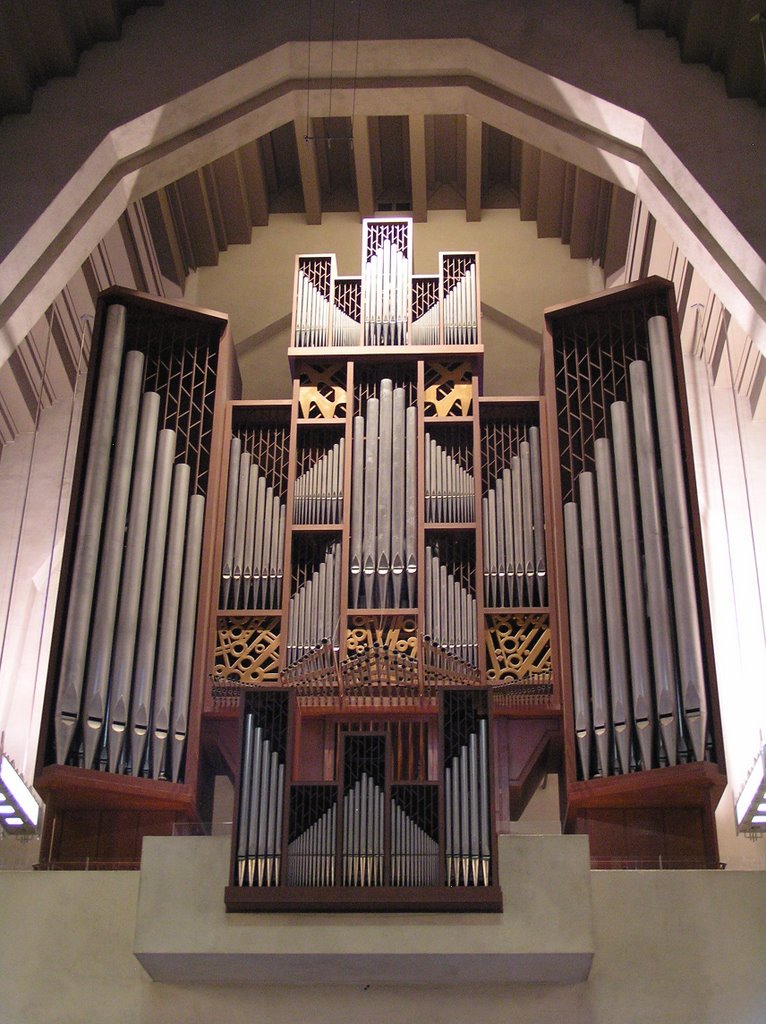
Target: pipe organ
column 388, row 605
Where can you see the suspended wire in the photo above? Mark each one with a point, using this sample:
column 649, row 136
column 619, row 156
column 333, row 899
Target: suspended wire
column 356, row 63
column 308, row 78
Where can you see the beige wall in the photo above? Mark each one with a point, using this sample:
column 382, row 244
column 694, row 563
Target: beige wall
column 520, row 276
column 670, row 948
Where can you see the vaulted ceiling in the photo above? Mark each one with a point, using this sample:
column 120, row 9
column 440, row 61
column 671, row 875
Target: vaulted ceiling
column 385, row 164
column 40, row 39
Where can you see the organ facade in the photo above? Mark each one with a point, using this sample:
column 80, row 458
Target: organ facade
column 387, row 606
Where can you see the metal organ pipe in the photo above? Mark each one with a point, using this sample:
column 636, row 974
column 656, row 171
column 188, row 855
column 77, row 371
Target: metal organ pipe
column 656, row 578
column 75, row 645
column 186, row 623
column 630, row 547
column 105, row 613
column 146, row 643
column 691, row 669
column 130, row 584
column 168, row 627
column 579, row 651
column 618, row 668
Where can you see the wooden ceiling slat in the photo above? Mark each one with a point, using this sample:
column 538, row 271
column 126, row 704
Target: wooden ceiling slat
column 474, row 147
column 255, row 182
column 418, row 174
column 232, row 196
column 363, row 167
column 530, row 181
column 309, row 172
column 550, row 198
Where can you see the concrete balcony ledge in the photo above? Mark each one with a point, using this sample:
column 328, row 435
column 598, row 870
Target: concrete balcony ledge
column 545, row 933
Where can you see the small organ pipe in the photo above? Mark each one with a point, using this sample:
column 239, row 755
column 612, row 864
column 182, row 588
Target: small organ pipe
column 171, row 591
column 130, row 584
column 580, row 679
column 654, row 554
column 83, row 580
column 243, row 488
column 369, row 534
column 357, row 509
column 258, row 543
column 595, row 621
column 151, row 592
column 249, row 552
column 186, row 624
column 618, row 668
column 630, row 546
column 383, row 542
column 410, row 520
column 537, row 510
column 689, row 643
column 528, row 528
column 243, row 820
column 398, row 485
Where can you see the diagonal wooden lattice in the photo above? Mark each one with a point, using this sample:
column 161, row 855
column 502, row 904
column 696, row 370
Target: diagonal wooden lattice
column 322, row 394
column 348, row 297
column 518, row 647
column 397, row 232
column 181, row 361
column 592, row 352
column 317, row 270
column 448, row 389
column 455, row 267
column 269, row 448
column 425, row 295
column 247, row 649
column 500, row 442
column 389, row 632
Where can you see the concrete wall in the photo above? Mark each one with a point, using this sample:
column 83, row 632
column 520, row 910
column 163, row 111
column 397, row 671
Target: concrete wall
column 670, row 947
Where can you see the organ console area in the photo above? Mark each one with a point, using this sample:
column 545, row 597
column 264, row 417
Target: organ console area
column 388, row 606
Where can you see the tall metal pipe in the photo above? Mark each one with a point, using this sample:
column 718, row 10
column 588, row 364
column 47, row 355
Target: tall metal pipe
column 83, row 579
column 410, row 503
column 689, row 641
column 105, row 612
column 130, row 583
column 398, row 485
column 595, row 622
column 186, row 624
column 370, row 525
column 357, row 508
column 168, row 627
column 383, row 542
column 613, row 603
column 578, row 648
column 151, row 591
column 654, row 555
column 635, row 618
column 243, row 817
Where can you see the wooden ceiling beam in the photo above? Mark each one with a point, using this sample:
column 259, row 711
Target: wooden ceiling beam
column 473, row 167
column 255, row 182
column 418, row 173
column 229, row 176
column 530, row 181
column 550, row 196
column 363, row 166
column 309, row 172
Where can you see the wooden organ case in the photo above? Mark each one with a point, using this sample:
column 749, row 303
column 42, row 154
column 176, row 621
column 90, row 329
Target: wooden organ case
column 391, row 643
